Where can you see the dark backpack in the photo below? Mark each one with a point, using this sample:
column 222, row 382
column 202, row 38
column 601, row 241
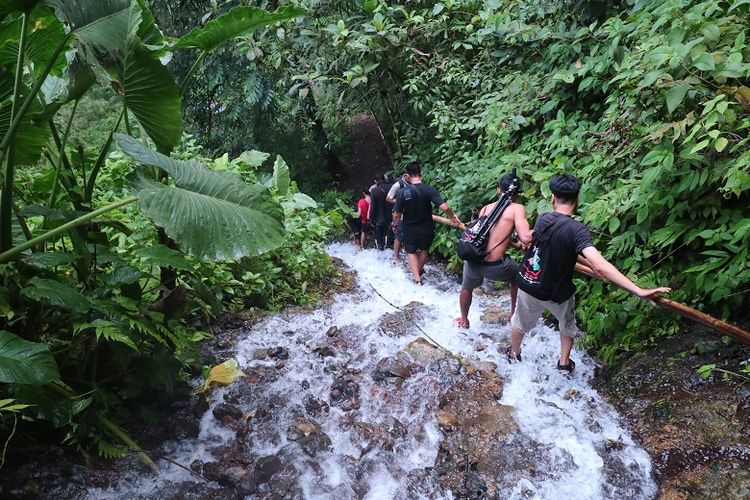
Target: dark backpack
column 472, row 244
column 533, row 274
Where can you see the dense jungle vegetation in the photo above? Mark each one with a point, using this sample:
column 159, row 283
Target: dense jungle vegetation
column 137, row 203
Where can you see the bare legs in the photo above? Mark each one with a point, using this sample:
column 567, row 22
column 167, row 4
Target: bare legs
column 566, row 344
column 513, row 295
column 416, row 263
column 516, row 337
column 397, row 250
column 464, row 302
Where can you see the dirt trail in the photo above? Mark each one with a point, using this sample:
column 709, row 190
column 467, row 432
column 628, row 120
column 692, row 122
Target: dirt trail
column 368, row 155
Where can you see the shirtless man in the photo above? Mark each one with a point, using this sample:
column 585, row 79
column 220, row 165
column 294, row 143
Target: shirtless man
column 497, row 266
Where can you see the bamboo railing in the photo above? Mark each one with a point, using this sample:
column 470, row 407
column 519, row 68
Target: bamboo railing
column 702, row 318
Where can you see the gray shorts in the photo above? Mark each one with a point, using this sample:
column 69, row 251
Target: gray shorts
column 504, row 269
column 529, row 309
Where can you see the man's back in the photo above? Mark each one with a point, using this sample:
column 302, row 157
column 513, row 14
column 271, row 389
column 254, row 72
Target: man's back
column 380, row 209
column 499, row 239
column 415, row 202
column 563, row 239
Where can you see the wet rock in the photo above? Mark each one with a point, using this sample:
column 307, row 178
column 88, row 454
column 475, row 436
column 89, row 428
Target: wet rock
column 266, row 467
column 495, row 315
column 315, row 443
column 260, row 354
column 283, row 485
column 212, row 471
column 324, row 351
column 278, row 352
column 400, row 366
column 315, row 407
column 185, row 426
column 480, row 347
column 401, row 323
column 690, row 426
column 199, row 405
column 473, row 422
column 345, row 393
column 224, row 411
column 232, row 477
column 333, row 331
column 279, row 365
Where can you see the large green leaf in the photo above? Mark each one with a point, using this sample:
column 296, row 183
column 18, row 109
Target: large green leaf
column 151, row 94
column 676, row 95
column 31, row 136
column 56, row 293
column 209, row 214
column 148, row 32
column 44, row 35
column 238, row 21
column 281, row 178
column 24, row 362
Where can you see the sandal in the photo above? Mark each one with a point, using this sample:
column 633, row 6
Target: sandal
column 461, row 323
column 512, row 358
column 566, row 369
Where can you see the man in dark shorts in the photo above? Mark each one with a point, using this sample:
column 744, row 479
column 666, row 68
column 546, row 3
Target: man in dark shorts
column 398, row 230
column 415, row 202
column 545, row 277
column 381, row 213
column 497, row 266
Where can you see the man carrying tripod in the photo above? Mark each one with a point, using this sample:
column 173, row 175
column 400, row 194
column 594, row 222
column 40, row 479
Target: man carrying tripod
column 497, row 266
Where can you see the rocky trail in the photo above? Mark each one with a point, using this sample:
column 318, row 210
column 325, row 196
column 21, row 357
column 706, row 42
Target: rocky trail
column 352, row 400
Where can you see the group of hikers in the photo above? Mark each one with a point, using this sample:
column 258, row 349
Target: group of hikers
column 544, row 278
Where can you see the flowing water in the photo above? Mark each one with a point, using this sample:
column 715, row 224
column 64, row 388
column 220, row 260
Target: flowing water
column 384, row 436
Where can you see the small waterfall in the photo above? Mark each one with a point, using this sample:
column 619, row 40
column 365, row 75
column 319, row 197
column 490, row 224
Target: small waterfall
column 334, row 423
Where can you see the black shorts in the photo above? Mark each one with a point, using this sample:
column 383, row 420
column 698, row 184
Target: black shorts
column 356, row 227
column 415, row 242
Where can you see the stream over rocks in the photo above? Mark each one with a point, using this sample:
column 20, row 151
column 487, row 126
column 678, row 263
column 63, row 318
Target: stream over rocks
column 351, row 400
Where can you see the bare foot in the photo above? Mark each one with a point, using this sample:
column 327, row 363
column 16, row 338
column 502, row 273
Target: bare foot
column 461, row 323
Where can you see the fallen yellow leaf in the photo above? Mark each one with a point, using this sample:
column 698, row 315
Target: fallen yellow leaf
column 222, row 374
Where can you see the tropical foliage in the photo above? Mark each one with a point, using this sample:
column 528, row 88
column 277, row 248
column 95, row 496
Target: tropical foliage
column 97, row 297
column 647, row 101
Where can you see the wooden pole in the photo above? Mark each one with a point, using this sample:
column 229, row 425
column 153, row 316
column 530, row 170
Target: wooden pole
column 717, row 325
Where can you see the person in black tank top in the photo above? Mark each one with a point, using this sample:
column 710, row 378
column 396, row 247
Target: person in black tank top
column 545, row 277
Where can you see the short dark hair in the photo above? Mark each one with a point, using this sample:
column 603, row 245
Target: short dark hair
column 414, row 168
column 366, row 190
column 565, row 187
column 505, row 181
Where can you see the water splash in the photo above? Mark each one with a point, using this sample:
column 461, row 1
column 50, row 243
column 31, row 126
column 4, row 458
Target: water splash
column 587, row 453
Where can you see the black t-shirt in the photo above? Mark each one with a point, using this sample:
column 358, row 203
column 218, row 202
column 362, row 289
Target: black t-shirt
column 562, row 239
column 380, row 210
column 415, row 202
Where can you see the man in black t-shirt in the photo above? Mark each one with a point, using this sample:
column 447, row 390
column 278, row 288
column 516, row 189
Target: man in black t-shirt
column 545, row 278
column 381, row 212
column 414, row 202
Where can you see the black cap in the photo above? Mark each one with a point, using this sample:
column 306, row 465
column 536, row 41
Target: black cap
column 507, row 179
column 565, row 185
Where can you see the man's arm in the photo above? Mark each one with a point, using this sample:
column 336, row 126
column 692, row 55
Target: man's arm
column 525, row 234
column 609, row 272
column 390, row 197
column 447, row 210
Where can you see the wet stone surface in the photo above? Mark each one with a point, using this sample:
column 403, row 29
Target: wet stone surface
column 352, row 400
column 696, row 430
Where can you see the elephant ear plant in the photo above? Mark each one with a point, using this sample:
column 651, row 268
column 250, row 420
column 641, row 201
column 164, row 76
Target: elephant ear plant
column 76, row 341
